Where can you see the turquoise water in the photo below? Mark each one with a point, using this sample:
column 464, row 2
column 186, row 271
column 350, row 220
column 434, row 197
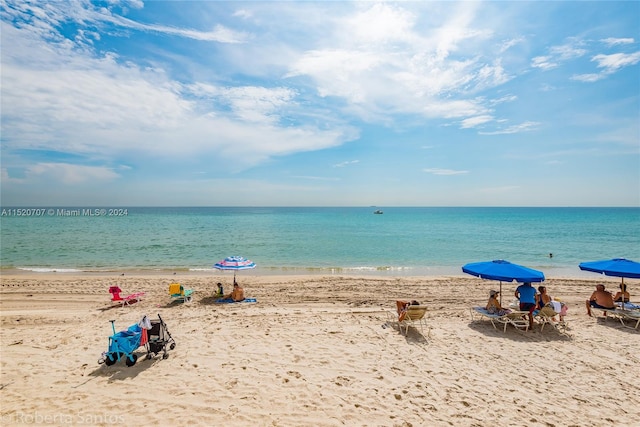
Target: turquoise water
column 402, row 241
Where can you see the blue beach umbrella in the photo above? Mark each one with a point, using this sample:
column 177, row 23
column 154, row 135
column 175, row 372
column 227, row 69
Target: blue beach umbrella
column 617, row 267
column 503, row 271
column 235, row 263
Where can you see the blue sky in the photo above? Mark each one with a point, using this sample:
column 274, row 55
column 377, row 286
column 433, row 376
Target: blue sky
column 202, row 103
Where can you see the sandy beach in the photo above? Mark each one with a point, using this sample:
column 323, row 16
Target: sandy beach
column 313, row 351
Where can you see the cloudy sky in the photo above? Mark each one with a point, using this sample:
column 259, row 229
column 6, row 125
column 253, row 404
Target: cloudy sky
column 202, row 103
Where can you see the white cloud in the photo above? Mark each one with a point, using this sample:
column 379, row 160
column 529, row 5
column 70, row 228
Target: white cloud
column 6, row 178
column 572, row 49
column 381, row 70
column 610, row 64
column 69, row 173
column 588, row 78
column 522, row 127
column 68, row 101
column 347, row 163
column 381, row 23
column 437, row 171
column 476, row 121
column 543, row 62
column 612, row 41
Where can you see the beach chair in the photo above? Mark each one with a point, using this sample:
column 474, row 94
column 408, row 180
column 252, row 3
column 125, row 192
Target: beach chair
column 410, row 315
column 517, row 319
column 179, row 293
column 632, row 315
column 546, row 315
column 415, row 315
column 119, row 299
column 622, row 316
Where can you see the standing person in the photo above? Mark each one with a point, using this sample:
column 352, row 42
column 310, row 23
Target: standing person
column 527, row 296
column 600, row 299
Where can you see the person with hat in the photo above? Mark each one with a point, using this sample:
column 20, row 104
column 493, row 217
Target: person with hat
column 493, row 305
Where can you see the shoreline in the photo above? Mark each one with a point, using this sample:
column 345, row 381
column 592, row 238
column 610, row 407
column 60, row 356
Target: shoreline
column 427, row 273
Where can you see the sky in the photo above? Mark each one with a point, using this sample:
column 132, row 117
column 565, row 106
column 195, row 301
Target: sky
column 241, row 103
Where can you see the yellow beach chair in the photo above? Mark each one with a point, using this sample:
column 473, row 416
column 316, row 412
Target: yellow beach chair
column 410, row 315
column 179, row 293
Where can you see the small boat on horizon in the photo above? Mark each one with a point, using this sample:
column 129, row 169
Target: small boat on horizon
column 378, row 212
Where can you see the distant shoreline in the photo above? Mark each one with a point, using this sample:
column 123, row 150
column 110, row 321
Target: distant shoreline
column 10, row 273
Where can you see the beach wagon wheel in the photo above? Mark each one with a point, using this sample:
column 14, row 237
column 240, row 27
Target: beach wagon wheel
column 110, row 359
column 131, row 361
column 172, row 346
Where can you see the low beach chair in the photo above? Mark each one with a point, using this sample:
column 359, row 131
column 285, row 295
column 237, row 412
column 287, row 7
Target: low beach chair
column 622, row 316
column 518, row 319
column 632, row 315
column 410, row 315
column 179, row 293
column 127, row 300
column 414, row 316
column 546, row 315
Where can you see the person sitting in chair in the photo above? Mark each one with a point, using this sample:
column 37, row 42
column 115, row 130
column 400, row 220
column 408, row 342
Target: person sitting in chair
column 548, row 306
column 403, row 306
column 493, row 305
column 600, row 299
column 622, row 295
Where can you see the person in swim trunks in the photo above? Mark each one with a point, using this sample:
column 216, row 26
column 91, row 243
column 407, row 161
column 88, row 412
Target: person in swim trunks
column 600, row 299
column 237, row 294
column 527, row 296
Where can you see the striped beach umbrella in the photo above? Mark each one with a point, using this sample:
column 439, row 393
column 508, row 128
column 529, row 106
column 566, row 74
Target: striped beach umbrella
column 234, row 263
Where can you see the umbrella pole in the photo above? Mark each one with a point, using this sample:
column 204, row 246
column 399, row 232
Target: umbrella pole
column 501, row 293
column 622, row 290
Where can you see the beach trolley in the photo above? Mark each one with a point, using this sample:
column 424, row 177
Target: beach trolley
column 152, row 334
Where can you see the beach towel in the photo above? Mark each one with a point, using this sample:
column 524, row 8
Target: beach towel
column 230, row 301
column 628, row 306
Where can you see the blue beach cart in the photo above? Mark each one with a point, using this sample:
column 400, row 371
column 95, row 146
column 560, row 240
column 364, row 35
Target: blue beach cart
column 152, row 334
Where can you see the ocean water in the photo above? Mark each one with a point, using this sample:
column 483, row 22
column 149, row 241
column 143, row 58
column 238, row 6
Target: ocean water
column 401, row 241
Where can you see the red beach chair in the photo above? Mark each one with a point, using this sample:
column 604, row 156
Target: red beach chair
column 129, row 299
